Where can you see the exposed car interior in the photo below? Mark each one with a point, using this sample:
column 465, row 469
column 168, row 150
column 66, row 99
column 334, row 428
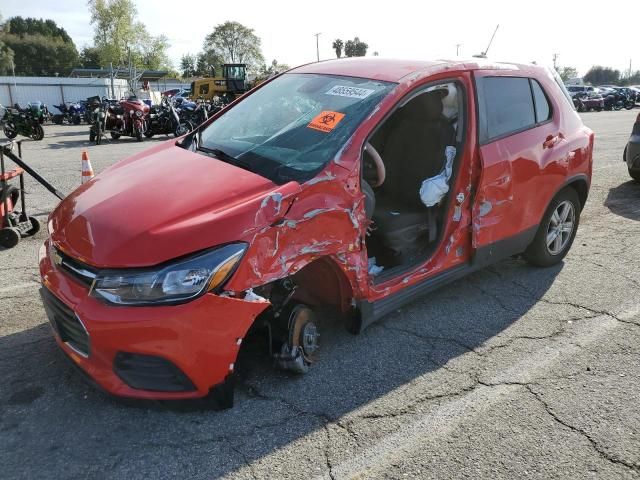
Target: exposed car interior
column 408, row 164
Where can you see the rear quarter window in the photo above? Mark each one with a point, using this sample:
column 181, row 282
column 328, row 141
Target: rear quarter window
column 543, row 109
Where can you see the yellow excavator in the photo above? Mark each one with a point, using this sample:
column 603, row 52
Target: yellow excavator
column 227, row 87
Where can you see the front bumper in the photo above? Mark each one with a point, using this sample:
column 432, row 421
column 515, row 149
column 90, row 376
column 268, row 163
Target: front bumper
column 200, row 338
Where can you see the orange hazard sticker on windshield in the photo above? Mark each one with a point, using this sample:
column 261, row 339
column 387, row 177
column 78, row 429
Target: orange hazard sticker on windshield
column 326, row 121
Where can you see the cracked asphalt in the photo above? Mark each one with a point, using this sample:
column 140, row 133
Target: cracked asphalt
column 512, row 372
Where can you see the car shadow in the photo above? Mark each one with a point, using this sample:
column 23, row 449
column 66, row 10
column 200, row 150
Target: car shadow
column 624, row 200
column 47, row 411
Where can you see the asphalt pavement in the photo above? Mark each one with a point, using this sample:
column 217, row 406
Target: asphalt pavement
column 512, row 372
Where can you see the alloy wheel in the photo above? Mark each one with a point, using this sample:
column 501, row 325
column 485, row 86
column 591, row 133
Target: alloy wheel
column 560, row 227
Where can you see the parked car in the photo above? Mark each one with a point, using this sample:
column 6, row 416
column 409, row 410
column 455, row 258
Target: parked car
column 354, row 185
column 632, row 151
column 176, row 92
column 170, row 93
column 581, row 89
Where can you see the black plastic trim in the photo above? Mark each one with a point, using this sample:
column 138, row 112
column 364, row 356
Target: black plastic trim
column 372, row 311
column 151, row 373
column 496, row 251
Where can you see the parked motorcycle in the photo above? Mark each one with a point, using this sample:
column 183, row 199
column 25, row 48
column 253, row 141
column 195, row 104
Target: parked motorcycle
column 164, row 119
column 21, row 122
column 98, row 109
column 71, row 113
column 124, row 118
column 40, row 111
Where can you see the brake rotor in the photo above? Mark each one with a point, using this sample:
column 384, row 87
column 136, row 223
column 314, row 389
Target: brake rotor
column 298, row 352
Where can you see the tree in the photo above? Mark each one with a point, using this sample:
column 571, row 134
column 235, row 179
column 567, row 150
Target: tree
column 598, row 75
column 633, row 79
column 207, row 63
column 6, row 55
column 567, row 73
column 188, row 65
column 154, row 52
column 274, row 69
column 355, row 48
column 234, row 43
column 337, row 46
column 118, row 37
column 90, row 57
column 38, row 47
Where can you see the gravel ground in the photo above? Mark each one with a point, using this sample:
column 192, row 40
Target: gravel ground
column 512, row 372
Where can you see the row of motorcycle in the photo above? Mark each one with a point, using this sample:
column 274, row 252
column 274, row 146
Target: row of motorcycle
column 605, row 99
column 134, row 118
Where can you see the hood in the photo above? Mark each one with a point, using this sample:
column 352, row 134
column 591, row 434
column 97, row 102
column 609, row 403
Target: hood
column 161, row 204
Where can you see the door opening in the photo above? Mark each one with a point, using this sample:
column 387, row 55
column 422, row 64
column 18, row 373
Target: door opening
column 408, row 166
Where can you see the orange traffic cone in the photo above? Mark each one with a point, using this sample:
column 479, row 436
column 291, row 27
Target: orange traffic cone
column 87, row 171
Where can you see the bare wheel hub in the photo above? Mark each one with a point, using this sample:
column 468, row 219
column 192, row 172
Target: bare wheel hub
column 298, row 352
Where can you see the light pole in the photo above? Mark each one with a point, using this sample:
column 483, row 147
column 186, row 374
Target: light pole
column 317, row 46
column 458, row 49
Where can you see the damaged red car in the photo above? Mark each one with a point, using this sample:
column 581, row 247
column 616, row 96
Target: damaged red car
column 355, row 184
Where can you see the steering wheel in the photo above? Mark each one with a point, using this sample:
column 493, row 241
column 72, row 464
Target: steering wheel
column 377, row 159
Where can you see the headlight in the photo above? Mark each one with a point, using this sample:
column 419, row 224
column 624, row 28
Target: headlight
column 130, row 112
column 174, row 282
column 139, row 113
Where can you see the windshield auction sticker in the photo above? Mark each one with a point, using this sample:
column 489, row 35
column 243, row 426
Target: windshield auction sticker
column 326, row 121
column 350, row 92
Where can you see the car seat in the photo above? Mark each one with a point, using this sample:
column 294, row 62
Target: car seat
column 414, row 151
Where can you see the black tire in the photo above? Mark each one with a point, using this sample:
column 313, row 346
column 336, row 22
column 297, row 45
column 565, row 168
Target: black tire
column 598, row 109
column 183, row 128
column 10, row 131
column 77, row 120
column 38, row 132
column 58, row 119
column 115, row 135
column 635, row 174
column 12, row 193
column 538, row 253
column 9, row 237
column 138, row 134
column 629, row 105
column 35, row 227
column 148, row 134
column 92, row 135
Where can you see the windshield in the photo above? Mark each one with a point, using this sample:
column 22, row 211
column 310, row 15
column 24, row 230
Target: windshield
column 292, row 127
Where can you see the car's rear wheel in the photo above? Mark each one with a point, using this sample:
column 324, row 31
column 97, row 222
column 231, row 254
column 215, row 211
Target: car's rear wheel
column 635, row 174
column 556, row 231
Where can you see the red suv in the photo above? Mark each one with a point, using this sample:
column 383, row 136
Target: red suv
column 355, row 184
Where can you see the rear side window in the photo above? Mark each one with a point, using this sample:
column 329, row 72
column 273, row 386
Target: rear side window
column 543, row 110
column 508, row 105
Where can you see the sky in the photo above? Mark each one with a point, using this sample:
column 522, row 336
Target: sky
column 413, row 30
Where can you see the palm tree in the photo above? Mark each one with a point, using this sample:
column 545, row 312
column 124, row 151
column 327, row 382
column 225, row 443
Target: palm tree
column 337, row 46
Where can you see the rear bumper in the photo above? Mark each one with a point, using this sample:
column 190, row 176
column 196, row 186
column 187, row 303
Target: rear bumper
column 199, row 339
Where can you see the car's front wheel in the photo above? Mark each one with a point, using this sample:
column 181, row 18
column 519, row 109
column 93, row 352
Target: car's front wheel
column 556, row 231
